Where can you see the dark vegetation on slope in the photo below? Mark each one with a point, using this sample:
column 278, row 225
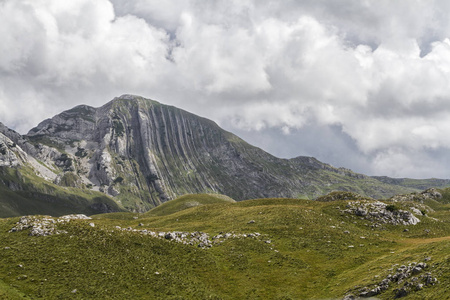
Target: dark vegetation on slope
column 24, row 193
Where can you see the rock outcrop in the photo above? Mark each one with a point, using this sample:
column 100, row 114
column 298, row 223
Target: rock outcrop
column 430, row 193
column 11, row 155
column 409, row 278
column 44, row 225
column 381, row 213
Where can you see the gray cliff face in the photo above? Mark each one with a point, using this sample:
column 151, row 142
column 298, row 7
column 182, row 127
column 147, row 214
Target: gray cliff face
column 75, row 124
column 144, row 153
column 47, row 155
column 11, row 155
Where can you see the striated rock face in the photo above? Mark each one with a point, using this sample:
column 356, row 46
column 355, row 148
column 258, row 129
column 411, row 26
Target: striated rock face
column 144, row 153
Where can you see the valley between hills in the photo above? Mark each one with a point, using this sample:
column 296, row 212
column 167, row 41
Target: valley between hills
column 139, row 200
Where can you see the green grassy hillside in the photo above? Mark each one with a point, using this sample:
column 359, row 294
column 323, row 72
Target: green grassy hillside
column 292, row 249
column 420, row 184
column 188, row 201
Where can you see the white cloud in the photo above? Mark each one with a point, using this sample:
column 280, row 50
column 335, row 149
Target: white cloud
column 67, row 54
column 215, row 58
column 376, row 70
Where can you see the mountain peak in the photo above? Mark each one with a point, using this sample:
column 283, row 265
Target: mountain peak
column 129, row 97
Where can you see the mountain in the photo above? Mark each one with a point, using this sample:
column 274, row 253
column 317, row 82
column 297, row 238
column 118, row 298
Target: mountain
column 142, row 153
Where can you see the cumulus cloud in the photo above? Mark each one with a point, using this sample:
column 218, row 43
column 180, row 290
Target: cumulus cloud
column 60, row 55
column 366, row 80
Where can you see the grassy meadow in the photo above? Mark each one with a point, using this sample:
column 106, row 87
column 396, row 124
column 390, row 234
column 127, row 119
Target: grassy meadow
column 306, row 250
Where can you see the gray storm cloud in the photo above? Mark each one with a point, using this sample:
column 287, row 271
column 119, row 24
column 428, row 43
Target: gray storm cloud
column 368, row 81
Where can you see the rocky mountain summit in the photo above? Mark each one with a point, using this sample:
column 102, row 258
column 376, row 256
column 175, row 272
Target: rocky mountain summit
column 143, row 153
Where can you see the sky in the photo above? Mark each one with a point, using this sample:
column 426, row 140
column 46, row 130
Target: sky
column 360, row 84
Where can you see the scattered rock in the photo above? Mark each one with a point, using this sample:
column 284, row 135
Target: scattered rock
column 380, row 212
column 402, row 292
column 170, row 236
column 201, row 239
column 45, row 225
column 403, row 276
column 75, row 217
column 372, row 292
column 416, row 211
column 429, row 280
column 360, row 211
